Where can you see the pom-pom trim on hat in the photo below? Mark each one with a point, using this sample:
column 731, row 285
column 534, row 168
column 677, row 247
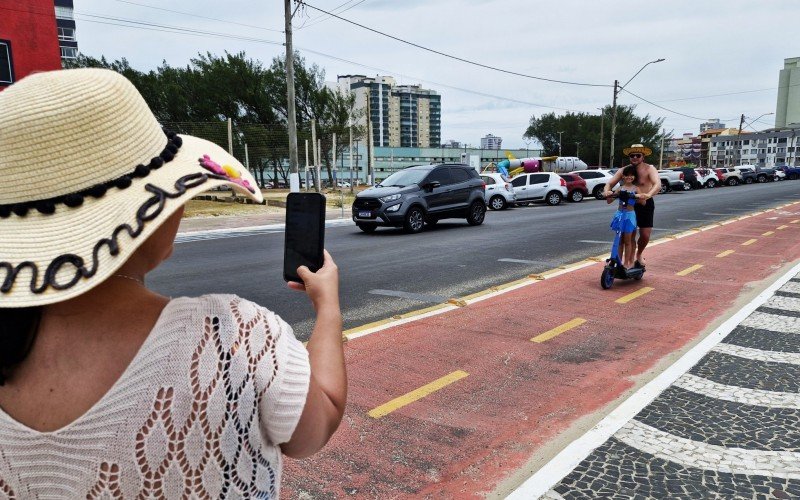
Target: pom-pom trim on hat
column 49, row 206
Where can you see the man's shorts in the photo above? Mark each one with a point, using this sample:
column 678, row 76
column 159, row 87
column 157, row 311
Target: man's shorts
column 644, row 213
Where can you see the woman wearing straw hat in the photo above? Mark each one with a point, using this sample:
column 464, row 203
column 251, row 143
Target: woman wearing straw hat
column 109, row 388
column 648, row 185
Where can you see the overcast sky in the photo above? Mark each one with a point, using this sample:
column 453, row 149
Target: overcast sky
column 732, row 47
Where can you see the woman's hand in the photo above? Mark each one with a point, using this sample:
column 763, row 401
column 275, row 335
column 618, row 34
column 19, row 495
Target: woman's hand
column 322, row 286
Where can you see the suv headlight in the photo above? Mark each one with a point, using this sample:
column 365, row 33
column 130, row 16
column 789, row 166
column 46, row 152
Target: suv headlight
column 391, row 197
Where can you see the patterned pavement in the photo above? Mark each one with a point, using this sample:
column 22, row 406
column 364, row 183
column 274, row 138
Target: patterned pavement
column 727, row 428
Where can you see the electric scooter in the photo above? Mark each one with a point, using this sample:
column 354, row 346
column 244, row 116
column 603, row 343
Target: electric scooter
column 614, row 268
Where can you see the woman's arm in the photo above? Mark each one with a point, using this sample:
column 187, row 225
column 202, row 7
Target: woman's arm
column 327, row 391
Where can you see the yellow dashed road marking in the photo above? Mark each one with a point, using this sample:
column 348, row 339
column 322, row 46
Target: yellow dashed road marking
column 725, row 253
column 569, row 325
column 768, row 233
column 782, row 227
column 689, row 270
column 636, row 294
column 795, row 221
column 749, row 242
column 417, row 394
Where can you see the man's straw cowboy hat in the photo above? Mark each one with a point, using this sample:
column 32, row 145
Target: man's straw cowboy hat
column 86, row 176
column 637, row 148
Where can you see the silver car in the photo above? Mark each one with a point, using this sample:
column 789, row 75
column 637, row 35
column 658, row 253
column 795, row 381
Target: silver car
column 499, row 193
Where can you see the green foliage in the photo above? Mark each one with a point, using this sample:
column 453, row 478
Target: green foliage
column 198, row 99
column 584, row 128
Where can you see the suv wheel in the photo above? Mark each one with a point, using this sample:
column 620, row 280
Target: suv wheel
column 553, row 198
column 663, row 188
column 576, row 196
column 711, row 183
column 476, row 213
column 498, row 203
column 733, row 181
column 687, row 186
column 415, row 220
column 367, row 228
column 749, row 180
column 598, row 192
column 762, row 178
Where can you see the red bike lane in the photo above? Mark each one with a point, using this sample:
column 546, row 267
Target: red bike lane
column 488, row 390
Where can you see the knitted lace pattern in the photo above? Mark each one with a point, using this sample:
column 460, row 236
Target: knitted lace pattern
column 200, row 411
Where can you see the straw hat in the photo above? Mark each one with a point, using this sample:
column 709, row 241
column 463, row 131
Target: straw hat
column 637, row 148
column 86, row 175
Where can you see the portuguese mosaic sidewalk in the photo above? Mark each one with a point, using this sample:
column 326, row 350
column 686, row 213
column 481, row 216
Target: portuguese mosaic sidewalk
column 727, row 428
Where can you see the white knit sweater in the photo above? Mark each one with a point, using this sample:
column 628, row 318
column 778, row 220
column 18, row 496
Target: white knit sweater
column 219, row 383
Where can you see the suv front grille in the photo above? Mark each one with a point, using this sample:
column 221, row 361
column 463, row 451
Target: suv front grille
column 366, row 203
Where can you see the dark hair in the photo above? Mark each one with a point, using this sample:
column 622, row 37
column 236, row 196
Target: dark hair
column 631, row 170
column 18, row 328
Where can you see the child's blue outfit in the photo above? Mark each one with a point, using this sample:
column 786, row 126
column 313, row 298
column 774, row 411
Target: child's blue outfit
column 624, row 219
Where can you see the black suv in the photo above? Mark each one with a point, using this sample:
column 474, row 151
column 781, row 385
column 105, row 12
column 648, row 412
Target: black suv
column 415, row 196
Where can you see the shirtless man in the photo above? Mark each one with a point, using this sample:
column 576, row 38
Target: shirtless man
column 649, row 185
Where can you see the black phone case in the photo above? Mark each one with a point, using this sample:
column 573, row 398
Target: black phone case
column 290, row 268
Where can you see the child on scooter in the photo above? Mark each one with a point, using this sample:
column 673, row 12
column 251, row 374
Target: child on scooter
column 624, row 219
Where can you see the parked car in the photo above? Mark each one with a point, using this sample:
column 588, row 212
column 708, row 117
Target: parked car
column 671, row 180
column 748, row 174
column 419, row 195
column 595, row 180
column 690, row 180
column 731, row 176
column 576, row 187
column 792, row 173
column 539, row 186
column 707, row 177
column 499, row 192
column 766, row 174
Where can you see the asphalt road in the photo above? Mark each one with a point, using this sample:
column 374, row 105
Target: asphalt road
column 390, row 272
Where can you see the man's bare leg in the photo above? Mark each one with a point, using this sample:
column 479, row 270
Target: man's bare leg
column 641, row 243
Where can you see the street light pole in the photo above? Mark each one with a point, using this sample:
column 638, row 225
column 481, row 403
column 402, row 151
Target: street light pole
column 291, row 123
column 600, row 152
column 559, row 142
column 617, row 89
column 577, row 149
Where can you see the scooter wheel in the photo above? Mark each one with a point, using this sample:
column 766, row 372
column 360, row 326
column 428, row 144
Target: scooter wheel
column 607, row 278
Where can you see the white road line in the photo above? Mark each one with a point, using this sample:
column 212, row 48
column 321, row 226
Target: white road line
column 676, row 449
column 569, row 458
column 594, row 241
column 693, row 220
column 755, row 397
column 709, row 213
column 773, row 322
column 215, row 234
column 791, row 358
column 792, row 287
column 522, row 261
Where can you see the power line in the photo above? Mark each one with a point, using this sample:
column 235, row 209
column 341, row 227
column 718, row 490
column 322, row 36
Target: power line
column 198, row 15
column 318, row 20
column 732, row 93
column 461, row 59
column 667, row 109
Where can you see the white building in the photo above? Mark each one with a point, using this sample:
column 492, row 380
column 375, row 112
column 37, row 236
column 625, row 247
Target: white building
column 491, row 142
column 774, row 147
column 787, row 111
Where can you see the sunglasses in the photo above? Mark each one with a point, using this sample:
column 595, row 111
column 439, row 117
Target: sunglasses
column 635, row 155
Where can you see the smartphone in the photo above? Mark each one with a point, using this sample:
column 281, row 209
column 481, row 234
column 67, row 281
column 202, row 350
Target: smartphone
column 305, row 234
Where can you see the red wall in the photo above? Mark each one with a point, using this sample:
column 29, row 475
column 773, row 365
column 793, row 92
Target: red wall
column 31, row 28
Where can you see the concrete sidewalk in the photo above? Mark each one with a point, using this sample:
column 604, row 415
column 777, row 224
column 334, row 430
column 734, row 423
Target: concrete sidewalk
column 469, row 399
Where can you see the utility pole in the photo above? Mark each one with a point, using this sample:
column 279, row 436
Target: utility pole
column 600, row 153
column 369, row 140
column 291, row 123
column 738, row 134
column 559, row 142
column 661, row 150
column 613, row 124
column 577, row 149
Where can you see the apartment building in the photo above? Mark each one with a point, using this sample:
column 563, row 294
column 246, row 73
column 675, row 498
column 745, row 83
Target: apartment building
column 774, row 147
column 490, row 141
column 787, row 110
column 399, row 115
column 65, row 25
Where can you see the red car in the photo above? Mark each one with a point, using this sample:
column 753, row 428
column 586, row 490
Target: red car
column 576, row 187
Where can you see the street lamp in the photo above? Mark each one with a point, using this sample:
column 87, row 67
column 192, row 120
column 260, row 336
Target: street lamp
column 617, row 89
column 600, row 153
column 577, row 149
column 559, row 141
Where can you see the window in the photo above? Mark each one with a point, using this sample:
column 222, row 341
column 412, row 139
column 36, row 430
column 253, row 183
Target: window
column 69, row 52
column 440, row 175
column 66, row 34
column 459, row 175
column 540, row 178
column 519, row 181
column 6, row 67
column 488, row 180
column 590, row 175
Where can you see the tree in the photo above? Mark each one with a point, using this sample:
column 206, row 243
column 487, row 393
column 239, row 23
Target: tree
column 584, row 128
